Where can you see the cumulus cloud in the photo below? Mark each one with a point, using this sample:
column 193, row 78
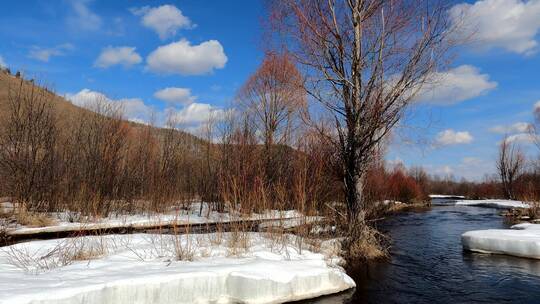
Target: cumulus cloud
column 175, row 96
column 82, row 17
column 197, row 113
column 2, row 62
column 191, row 117
column 123, row 55
column 133, row 109
column 165, row 20
column 455, row 85
column 185, row 59
column 512, row 25
column 526, row 138
column 44, row 54
column 451, row 137
column 518, row 127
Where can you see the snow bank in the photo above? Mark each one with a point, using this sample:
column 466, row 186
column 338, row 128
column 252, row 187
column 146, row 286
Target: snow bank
column 178, row 217
column 142, row 269
column 523, row 240
column 492, row 203
column 446, row 196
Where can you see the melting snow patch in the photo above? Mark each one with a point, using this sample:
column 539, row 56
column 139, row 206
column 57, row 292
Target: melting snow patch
column 142, row 268
column 179, row 217
column 522, row 240
column 492, row 203
column 446, row 196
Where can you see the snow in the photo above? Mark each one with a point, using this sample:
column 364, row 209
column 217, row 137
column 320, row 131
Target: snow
column 523, row 240
column 493, row 203
column 142, row 268
column 445, row 196
column 178, row 217
column 526, row 226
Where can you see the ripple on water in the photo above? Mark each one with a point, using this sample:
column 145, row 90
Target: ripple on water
column 428, row 264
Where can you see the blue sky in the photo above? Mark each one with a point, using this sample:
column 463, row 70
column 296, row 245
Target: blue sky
column 128, row 51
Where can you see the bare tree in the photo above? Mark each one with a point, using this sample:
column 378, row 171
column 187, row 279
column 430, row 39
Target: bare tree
column 96, row 153
column 272, row 97
column 274, row 94
column 510, row 165
column 365, row 61
column 208, row 182
column 27, row 146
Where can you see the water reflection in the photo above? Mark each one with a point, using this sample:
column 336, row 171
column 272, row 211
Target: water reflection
column 428, row 264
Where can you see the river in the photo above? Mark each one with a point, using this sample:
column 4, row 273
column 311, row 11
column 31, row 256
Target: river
column 428, row 265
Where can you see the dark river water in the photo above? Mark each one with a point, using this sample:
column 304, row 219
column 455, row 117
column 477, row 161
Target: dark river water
column 428, row 264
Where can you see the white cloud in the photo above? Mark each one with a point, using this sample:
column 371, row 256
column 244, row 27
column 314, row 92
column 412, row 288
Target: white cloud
column 133, row 109
column 454, row 86
column 175, row 95
column 82, row 17
column 124, row 55
column 518, row 127
column 44, row 54
column 512, row 25
column 2, row 62
column 536, row 110
column 166, row 20
column 184, row 59
column 451, row 137
column 525, row 138
column 197, row 113
column 191, row 116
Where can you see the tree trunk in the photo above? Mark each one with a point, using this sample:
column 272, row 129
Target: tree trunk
column 354, row 186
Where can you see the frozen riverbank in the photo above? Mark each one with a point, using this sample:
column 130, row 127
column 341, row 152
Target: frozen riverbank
column 221, row 268
column 194, row 214
column 522, row 240
column 493, row 203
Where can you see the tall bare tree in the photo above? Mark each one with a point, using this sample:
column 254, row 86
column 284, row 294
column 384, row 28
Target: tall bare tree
column 365, row 61
column 274, row 94
column 96, row 154
column 28, row 146
column 510, row 165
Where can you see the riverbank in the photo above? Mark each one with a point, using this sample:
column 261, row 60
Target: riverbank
column 194, row 213
column 143, row 268
column 194, row 218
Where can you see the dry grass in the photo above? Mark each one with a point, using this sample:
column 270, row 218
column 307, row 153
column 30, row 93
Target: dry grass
column 32, row 219
column 80, row 250
column 534, row 210
column 64, row 253
column 238, row 243
column 364, row 244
